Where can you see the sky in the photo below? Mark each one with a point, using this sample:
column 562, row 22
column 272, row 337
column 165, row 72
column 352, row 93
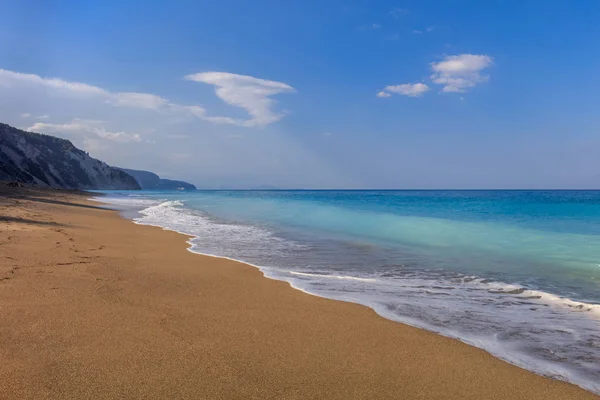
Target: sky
column 314, row 94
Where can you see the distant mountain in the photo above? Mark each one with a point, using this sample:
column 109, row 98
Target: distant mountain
column 166, row 184
column 34, row 158
column 146, row 179
column 151, row 181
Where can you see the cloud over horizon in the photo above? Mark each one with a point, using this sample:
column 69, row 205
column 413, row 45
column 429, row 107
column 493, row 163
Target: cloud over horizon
column 85, row 127
column 152, row 132
column 249, row 93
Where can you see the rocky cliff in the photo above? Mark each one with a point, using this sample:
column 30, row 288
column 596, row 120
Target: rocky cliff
column 34, row 158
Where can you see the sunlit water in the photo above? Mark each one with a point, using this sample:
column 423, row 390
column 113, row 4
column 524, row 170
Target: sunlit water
column 516, row 273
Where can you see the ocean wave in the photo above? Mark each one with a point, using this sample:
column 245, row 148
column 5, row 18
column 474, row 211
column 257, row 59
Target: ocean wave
column 543, row 332
column 328, row 276
column 127, row 201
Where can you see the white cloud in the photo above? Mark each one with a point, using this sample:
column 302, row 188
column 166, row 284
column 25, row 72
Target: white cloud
column 138, row 100
column 55, row 86
column 25, row 115
column 405, row 89
column 461, row 72
column 247, row 92
column 376, row 26
column 196, row 111
column 83, row 127
column 10, row 78
column 251, row 94
column 417, row 32
column 45, row 116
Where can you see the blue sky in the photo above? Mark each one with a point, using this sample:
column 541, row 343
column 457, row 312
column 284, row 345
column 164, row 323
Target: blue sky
column 324, row 94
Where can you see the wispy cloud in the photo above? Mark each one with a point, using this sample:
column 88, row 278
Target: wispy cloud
column 12, row 78
column 139, row 100
column 460, row 72
column 251, row 94
column 25, row 115
column 60, row 87
column 405, row 89
column 85, row 127
column 422, row 31
column 376, row 26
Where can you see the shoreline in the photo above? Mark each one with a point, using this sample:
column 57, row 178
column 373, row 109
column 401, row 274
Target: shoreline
column 212, row 328
column 521, row 361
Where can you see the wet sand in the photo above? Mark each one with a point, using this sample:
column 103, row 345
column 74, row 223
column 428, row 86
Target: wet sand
column 93, row 306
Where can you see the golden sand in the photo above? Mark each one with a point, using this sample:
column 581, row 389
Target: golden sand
column 93, row 306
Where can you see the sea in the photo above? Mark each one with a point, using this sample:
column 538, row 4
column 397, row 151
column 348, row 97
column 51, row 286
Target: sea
column 516, row 273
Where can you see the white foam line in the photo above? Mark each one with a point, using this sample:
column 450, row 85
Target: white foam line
column 354, row 278
column 520, row 360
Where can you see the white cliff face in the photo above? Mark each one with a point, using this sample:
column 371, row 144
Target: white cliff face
column 49, row 161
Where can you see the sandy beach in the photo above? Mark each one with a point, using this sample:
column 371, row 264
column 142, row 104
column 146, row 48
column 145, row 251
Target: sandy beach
column 95, row 307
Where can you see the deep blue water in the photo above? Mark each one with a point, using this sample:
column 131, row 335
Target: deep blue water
column 514, row 272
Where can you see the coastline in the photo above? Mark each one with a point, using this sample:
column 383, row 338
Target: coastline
column 98, row 307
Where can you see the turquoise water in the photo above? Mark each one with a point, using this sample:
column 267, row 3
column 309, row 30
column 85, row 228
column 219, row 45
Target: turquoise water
column 514, row 272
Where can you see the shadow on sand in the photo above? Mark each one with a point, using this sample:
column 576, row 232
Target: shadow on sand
column 60, row 202
column 4, row 218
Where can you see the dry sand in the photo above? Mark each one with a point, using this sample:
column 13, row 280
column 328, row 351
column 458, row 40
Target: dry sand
column 93, row 306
